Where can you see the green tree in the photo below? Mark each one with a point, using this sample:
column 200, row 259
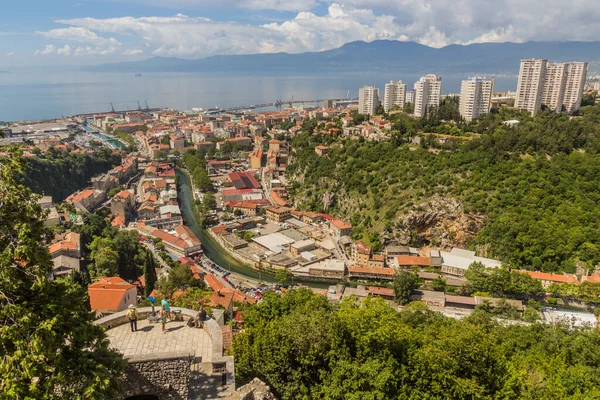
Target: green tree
column 180, row 278
column 149, row 274
column 404, row 283
column 439, row 284
column 209, row 201
column 49, row 347
column 282, row 276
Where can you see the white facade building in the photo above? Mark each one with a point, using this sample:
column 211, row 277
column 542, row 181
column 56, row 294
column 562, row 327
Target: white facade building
column 475, row 98
column 410, row 96
column 574, row 85
column 530, row 87
column 368, row 100
column 395, row 95
column 428, row 91
column 559, row 86
column 554, row 86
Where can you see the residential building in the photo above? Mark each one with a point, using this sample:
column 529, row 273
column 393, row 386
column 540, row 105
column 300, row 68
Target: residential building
column 256, row 159
column 122, row 204
column 321, row 150
column 340, row 228
column 176, row 142
column 328, row 269
column 368, row 100
column 361, row 253
column 278, row 214
column 394, row 95
column 181, row 241
column 87, row 200
column 63, row 266
column 559, row 86
column 327, row 104
column 547, row 278
column 302, row 246
column 475, row 97
column 554, row 86
column 428, row 91
column 530, row 86
column 410, row 96
column 356, row 271
column 70, row 246
column 112, row 294
column 574, row 85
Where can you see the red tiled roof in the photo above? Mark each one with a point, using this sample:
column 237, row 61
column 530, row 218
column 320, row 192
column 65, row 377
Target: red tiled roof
column 380, row 291
column 413, row 260
column 119, row 221
column 543, row 276
column 338, row 223
column 107, row 293
column 374, row 271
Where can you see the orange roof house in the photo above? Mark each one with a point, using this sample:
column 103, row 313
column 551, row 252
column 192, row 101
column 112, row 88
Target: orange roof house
column 111, row 294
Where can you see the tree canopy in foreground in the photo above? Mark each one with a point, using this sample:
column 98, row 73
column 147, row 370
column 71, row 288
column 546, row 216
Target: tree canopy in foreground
column 306, row 348
column 49, row 348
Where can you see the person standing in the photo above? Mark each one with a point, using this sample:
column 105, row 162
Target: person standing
column 167, row 306
column 163, row 319
column 133, row 315
column 200, row 318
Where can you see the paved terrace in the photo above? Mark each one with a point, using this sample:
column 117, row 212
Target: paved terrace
column 149, row 340
column 188, row 361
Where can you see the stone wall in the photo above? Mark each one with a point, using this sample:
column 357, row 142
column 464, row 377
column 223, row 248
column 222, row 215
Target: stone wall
column 163, row 375
column 169, row 370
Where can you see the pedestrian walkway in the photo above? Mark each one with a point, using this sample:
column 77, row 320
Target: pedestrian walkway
column 149, row 340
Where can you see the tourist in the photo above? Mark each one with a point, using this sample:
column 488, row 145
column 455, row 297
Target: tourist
column 200, row 317
column 163, row 318
column 165, row 303
column 132, row 314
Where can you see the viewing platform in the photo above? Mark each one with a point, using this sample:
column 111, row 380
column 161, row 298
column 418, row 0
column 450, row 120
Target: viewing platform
column 183, row 363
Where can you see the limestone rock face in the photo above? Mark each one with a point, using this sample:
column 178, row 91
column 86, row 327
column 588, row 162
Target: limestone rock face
column 255, row 390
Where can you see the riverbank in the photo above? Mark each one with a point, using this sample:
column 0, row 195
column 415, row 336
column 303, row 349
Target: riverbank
column 215, row 251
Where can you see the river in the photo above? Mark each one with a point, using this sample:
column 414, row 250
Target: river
column 214, row 251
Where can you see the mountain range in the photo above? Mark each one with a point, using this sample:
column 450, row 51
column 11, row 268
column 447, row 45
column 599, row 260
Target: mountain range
column 374, row 57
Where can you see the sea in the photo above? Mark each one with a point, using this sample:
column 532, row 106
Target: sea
column 36, row 95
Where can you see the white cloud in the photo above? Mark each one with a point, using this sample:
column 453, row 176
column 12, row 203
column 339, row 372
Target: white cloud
column 278, row 5
column 10, row 53
column 64, row 51
column 433, row 22
column 50, row 49
column 78, row 34
column 132, row 52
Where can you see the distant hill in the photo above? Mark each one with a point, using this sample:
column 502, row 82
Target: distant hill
column 373, row 57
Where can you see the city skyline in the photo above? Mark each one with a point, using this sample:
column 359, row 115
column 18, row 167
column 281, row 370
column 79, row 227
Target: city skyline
column 68, row 32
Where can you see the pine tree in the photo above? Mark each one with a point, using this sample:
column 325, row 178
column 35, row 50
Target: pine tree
column 49, row 348
column 149, row 274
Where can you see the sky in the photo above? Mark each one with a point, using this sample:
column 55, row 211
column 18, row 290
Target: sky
column 45, row 33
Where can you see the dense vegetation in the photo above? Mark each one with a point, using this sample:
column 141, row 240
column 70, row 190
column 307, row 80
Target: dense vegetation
column 49, row 348
column 536, row 184
column 306, row 348
column 58, row 174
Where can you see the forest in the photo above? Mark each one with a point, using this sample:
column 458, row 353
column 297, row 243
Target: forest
column 535, row 186
column 370, row 351
column 58, row 174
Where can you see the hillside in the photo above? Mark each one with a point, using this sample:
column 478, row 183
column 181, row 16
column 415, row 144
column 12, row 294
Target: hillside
column 59, row 174
column 376, row 56
column 528, row 195
column 372, row 351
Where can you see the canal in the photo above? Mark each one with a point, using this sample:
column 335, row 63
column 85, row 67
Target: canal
column 116, row 143
column 213, row 249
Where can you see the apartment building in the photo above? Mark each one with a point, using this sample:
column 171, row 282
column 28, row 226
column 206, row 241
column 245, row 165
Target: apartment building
column 554, row 85
column 574, row 85
column 394, row 95
column 368, row 100
column 530, row 86
column 428, row 90
column 410, row 96
column 475, row 97
column 559, row 86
